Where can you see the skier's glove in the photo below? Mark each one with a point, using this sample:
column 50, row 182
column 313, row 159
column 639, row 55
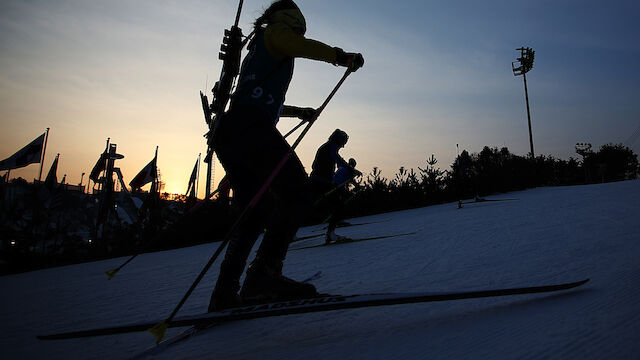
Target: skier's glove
column 353, row 61
column 306, row 114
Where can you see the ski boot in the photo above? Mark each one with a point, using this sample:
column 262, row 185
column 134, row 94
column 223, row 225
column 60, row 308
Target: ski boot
column 332, row 238
column 222, row 299
column 343, row 224
column 264, row 284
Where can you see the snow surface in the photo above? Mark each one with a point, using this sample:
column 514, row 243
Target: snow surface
column 548, row 235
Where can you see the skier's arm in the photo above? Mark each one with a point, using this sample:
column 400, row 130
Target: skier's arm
column 281, row 42
column 294, row 111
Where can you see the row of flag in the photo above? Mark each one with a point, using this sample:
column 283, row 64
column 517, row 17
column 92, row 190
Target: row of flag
column 33, row 153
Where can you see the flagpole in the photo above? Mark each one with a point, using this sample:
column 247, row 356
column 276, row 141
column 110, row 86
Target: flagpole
column 44, row 151
column 104, row 172
column 155, row 176
column 156, row 166
column 198, row 175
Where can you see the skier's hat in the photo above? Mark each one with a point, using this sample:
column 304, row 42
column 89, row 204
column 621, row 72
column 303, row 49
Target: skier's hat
column 339, row 136
column 286, row 12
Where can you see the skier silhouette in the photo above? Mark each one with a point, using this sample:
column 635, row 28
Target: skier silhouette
column 329, row 190
column 249, row 147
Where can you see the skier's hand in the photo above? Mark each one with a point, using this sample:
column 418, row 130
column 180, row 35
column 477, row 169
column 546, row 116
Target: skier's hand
column 306, row 114
column 353, row 61
column 356, row 173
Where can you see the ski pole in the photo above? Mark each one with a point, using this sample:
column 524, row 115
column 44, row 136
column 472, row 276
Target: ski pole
column 111, row 273
column 321, row 108
column 159, row 329
column 331, row 192
column 343, row 204
column 294, row 129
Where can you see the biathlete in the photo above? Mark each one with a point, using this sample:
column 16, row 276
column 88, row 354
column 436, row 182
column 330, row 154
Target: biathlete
column 328, row 184
column 249, row 147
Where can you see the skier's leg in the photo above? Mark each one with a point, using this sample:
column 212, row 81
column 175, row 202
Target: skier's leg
column 238, row 151
column 291, row 196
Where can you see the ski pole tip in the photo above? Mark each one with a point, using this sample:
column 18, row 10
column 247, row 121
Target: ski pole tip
column 159, row 330
column 111, row 273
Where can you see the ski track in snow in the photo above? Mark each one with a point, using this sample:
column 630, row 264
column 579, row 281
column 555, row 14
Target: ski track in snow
column 552, row 234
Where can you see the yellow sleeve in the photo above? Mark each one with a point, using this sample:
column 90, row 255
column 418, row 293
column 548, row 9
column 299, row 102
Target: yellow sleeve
column 282, row 42
column 289, row 111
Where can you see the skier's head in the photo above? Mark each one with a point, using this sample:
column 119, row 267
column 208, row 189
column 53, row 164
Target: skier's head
column 352, row 162
column 339, row 138
column 285, row 12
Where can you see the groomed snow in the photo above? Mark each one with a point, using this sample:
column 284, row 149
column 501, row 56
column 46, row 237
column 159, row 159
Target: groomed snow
column 548, row 235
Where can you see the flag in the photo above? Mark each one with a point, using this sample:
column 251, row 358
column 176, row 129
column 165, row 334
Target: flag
column 52, row 178
column 29, row 154
column 100, row 165
column 191, row 189
column 146, row 175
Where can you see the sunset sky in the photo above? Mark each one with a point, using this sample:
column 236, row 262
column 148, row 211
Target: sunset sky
column 436, row 74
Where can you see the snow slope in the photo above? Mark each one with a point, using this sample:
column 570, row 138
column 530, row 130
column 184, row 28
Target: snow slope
column 548, row 235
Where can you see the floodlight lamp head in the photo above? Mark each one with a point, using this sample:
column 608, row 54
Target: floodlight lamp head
column 526, row 61
column 516, row 70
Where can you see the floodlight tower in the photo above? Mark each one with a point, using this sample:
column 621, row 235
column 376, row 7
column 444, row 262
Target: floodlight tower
column 526, row 64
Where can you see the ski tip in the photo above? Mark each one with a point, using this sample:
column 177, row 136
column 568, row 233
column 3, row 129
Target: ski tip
column 576, row 283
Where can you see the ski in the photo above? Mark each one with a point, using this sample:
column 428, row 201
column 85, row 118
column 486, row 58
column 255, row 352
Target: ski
column 306, row 237
column 317, row 304
column 481, row 200
column 192, row 331
column 349, row 240
column 340, row 225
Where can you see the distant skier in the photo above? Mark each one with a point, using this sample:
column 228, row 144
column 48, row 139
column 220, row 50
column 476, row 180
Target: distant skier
column 328, row 199
column 342, row 179
column 249, row 147
column 346, row 175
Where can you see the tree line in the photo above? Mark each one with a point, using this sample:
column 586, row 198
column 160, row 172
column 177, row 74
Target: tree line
column 490, row 171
